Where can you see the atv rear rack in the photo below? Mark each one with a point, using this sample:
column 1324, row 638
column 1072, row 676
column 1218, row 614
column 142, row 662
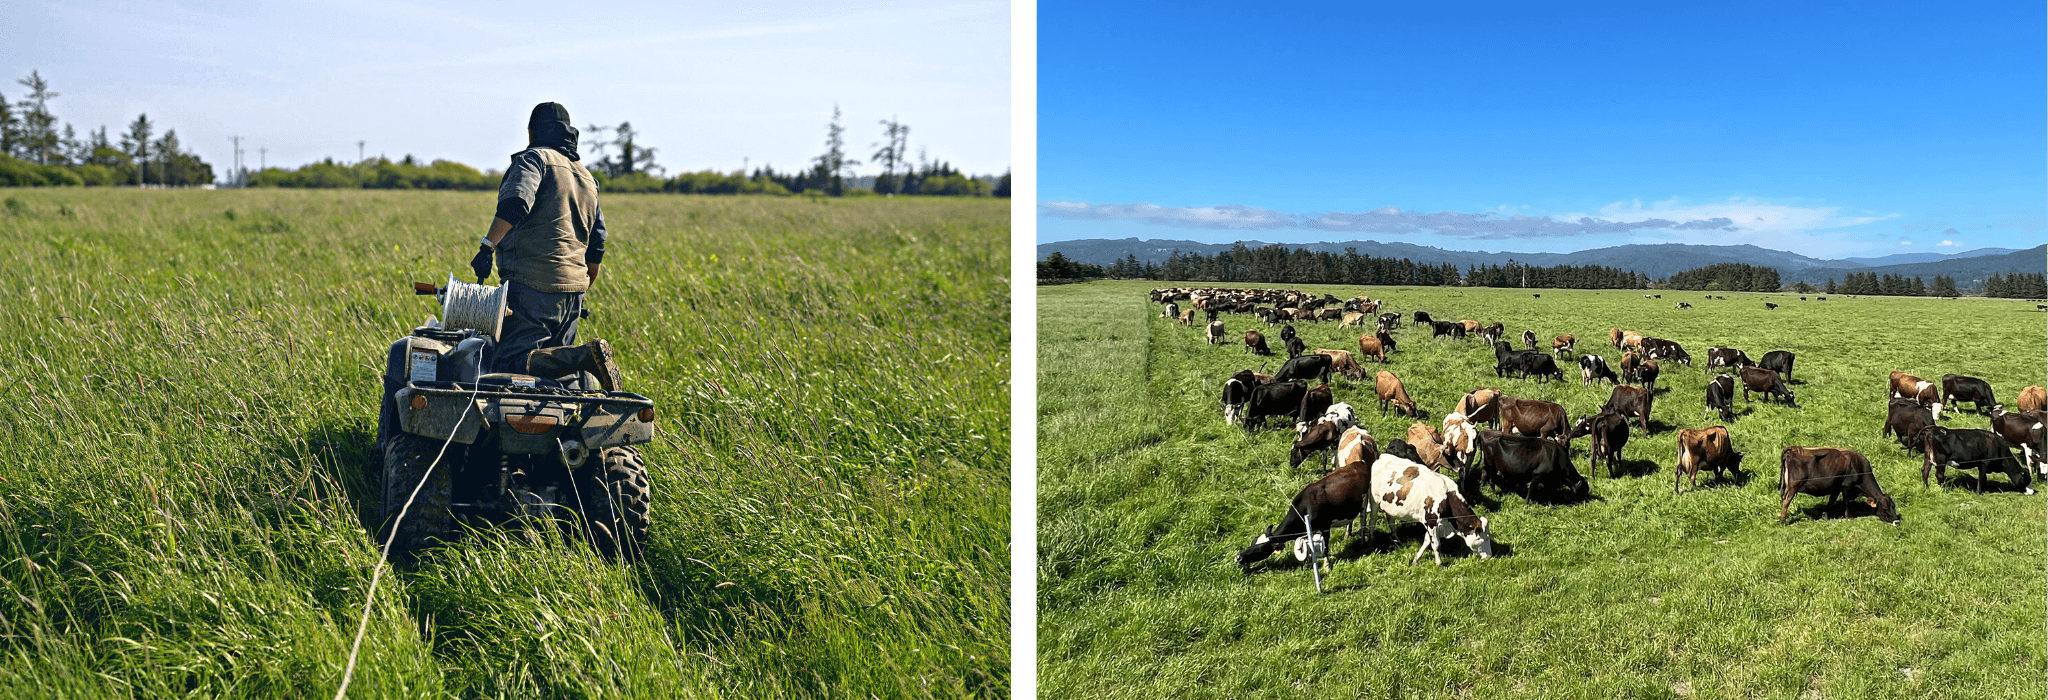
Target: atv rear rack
column 548, row 393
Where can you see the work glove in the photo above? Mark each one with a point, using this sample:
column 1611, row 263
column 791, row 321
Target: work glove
column 481, row 264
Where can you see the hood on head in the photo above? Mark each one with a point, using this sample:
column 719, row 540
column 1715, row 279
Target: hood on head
column 551, row 129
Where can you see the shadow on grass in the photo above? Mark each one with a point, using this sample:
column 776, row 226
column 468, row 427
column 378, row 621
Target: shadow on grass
column 1625, row 468
column 1976, row 482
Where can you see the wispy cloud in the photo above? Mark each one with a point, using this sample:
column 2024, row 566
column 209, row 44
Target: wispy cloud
column 1387, row 220
column 1946, row 243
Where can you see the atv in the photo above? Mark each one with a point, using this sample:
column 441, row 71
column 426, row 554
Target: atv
column 494, row 448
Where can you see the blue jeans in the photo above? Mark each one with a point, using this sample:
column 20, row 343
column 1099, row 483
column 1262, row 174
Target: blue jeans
column 539, row 320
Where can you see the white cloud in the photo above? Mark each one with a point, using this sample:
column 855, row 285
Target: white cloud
column 1903, row 241
column 1946, row 243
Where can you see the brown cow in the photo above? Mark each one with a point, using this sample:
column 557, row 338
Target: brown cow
column 1430, row 447
column 1631, row 401
column 1255, row 343
column 1187, row 318
column 1708, row 448
column 1369, row 346
column 1648, row 373
column 1352, row 320
column 1480, row 406
column 1562, row 345
column 1832, row 472
column 1321, row 437
column 1630, row 363
column 1535, row 418
column 2033, row 398
column 1632, row 339
column 1391, row 393
column 1341, row 362
column 1471, row 327
column 1614, row 337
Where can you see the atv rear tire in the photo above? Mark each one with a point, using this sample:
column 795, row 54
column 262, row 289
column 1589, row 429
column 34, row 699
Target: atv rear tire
column 616, row 502
column 407, row 459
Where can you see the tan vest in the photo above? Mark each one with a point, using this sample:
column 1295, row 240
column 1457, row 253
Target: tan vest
column 545, row 251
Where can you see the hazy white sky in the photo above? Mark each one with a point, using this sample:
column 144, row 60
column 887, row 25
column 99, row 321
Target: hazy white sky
column 707, row 83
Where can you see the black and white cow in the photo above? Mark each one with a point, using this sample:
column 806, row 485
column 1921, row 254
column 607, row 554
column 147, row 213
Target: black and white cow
column 1668, row 350
column 1982, row 450
column 1593, row 366
column 1727, row 357
column 1721, row 397
column 2024, row 431
column 1276, row 399
column 1524, row 362
column 1331, row 500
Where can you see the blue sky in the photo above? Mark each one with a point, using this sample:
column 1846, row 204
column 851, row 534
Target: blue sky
column 708, row 83
column 1827, row 130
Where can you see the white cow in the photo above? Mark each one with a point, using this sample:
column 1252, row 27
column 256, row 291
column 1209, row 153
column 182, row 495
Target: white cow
column 1338, row 413
column 1408, row 490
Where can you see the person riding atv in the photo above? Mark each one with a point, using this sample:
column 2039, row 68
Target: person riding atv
column 492, row 412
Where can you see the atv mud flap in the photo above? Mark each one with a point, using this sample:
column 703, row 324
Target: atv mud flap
column 437, row 416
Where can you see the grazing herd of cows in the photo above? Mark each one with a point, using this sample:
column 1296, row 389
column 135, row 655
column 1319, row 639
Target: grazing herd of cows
column 1435, row 472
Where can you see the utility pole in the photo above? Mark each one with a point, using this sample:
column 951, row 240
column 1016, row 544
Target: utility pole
column 238, row 176
column 359, row 151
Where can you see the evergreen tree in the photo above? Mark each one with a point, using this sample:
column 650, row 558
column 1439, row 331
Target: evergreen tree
column 1831, row 285
column 136, row 144
column 37, row 138
column 894, row 145
column 834, row 165
column 1994, row 286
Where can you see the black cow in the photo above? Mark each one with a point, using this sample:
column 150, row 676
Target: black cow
column 1766, row 382
column 1631, row 401
column 1721, row 397
column 1333, row 499
column 1903, row 420
column 1778, row 361
column 1400, row 448
column 1386, row 341
column 1592, row 367
column 1389, row 321
column 1313, row 405
column 1517, row 464
column 1296, row 348
column 1524, row 362
column 1771, row 306
column 1609, row 431
column 1422, row 318
column 1956, row 387
column 1453, row 329
column 1305, row 367
column 1214, row 314
column 1727, row 357
column 1982, row 450
column 1276, row 399
column 1830, row 472
column 1287, row 332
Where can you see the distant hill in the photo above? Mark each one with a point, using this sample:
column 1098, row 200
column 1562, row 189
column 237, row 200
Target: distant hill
column 1970, row 272
column 1657, row 260
column 1904, row 258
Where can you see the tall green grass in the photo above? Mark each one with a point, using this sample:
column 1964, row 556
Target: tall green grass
column 194, row 378
column 1145, row 496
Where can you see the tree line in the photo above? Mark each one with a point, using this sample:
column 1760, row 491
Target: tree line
column 1728, row 277
column 35, row 153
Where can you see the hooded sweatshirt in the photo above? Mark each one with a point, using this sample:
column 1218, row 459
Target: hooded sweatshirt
column 551, row 201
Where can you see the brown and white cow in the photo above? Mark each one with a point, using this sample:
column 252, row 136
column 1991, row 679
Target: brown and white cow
column 1357, row 445
column 1391, row 393
column 1215, row 332
column 1908, row 386
column 1370, row 346
column 1341, row 362
column 1353, row 319
column 1187, row 317
column 1460, row 439
column 1832, row 472
column 1410, row 491
column 1529, row 339
column 1706, row 448
column 1563, row 345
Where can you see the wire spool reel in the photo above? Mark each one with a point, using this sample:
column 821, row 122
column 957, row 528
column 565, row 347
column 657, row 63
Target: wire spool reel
column 472, row 306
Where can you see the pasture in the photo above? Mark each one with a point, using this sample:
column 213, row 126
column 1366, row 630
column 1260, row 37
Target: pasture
column 183, row 498
column 1145, row 496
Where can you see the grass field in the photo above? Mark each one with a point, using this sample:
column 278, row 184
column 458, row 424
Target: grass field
column 193, row 382
column 1145, row 495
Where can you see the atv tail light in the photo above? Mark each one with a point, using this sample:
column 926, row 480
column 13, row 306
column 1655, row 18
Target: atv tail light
column 531, row 425
column 647, row 415
column 419, row 402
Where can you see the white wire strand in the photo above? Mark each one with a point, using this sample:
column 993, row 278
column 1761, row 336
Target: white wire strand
column 348, row 673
